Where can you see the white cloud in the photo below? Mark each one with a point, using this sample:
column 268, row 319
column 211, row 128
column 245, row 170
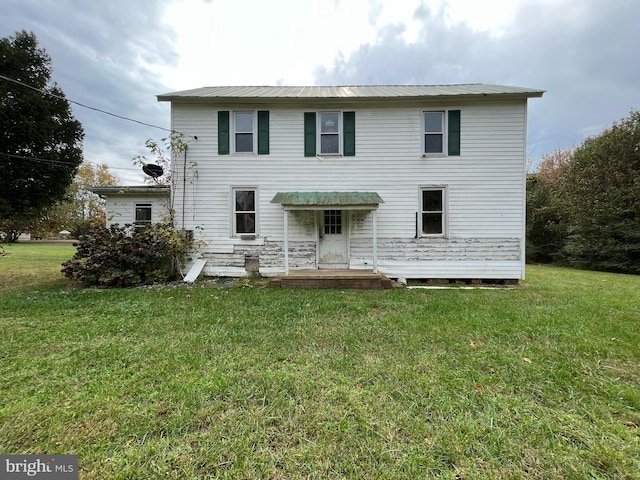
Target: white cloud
column 239, row 43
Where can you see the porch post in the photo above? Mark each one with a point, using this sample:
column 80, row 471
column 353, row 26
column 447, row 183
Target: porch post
column 374, row 219
column 286, row 242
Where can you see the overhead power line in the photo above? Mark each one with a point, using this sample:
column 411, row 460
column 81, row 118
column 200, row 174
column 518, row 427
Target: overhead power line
column 44, row 92
column 60, row 162
column 40, row 160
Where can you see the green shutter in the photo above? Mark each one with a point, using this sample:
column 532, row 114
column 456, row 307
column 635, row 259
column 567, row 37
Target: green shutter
column 309, row 134
column 263, row 133
column 223, row 132
column 349, row 130
column 454, row 132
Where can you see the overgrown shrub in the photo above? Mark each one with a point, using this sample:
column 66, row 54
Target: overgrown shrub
column 122, row 256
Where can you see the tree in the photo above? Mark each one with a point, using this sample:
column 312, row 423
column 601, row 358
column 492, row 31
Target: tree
column 602, row 188
column 546, row 208
column 81, row 208
column 40, row 140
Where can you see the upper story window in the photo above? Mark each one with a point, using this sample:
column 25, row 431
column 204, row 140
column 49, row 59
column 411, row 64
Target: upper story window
column 330, row 133
column 143, row 214
column 432, row 206
column 243, row 132
column 441, row 132
column 243, row 128
column 433, row 132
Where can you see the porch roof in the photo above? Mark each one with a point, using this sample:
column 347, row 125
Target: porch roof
column 328, row 200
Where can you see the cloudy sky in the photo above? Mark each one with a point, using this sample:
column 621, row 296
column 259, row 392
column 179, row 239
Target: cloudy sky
column 117, row 55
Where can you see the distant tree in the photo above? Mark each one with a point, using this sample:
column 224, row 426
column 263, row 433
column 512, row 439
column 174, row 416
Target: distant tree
column 81, row 208
column 40, row 140
column 547, row 218
column 602, row 190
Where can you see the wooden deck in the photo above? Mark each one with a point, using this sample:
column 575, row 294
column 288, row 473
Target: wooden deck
column 337, row 279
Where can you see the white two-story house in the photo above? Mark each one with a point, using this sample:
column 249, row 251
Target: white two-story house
column 411, row 181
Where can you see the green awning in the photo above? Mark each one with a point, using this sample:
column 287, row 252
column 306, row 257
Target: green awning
column 328, row 200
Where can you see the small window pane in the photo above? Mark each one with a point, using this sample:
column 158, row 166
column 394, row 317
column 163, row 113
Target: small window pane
column 433, row 143
column 246, row 223
column 244, row 122
column 432, row 200
column 244, row 142
column 329, row 122
column 431, row 223
column 245, row 200
column 333, row 222
column 433, row 122
column 329, row 144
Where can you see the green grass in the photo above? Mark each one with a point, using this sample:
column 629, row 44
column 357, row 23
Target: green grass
column 26, row 264
column 542, row 381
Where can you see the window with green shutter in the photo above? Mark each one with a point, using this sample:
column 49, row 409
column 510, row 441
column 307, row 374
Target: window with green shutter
column 441, row 132
column 237, row 132
column 330, row 134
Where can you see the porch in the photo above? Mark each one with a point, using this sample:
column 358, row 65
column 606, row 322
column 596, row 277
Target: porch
column 332, row 224
column 334, row 279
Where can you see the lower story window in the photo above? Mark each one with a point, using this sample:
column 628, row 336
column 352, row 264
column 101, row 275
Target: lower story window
column 244, row 211
column 143, row 214
column 432, row 210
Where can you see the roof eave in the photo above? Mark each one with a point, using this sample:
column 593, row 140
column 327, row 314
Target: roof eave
column 132, row 190
column 220, row 100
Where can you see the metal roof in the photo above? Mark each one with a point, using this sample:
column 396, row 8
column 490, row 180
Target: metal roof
column 352, row 92
column 345, row 200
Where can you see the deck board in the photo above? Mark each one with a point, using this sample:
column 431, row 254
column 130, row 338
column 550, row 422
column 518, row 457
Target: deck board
column 334, row 279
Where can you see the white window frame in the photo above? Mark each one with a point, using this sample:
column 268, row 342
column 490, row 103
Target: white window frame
column 443, row 212
column 138, row 223
column 254, row 131
column 234, row 226
column 444, row 152
column 339, row 134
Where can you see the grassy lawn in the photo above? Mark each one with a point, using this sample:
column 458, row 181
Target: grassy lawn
column 542, row 381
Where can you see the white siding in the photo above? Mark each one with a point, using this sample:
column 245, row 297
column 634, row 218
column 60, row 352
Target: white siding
column 485, row 190
column 121, row 208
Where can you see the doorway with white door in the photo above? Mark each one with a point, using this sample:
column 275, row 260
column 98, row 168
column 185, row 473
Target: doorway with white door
column 333, row 244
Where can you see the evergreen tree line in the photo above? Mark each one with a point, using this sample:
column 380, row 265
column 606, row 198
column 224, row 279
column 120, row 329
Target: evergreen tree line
column 583, row 204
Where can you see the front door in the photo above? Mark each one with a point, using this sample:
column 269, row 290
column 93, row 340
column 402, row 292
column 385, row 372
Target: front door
column 333, row 246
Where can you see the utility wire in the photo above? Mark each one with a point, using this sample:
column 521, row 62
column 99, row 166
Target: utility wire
column 44, row 92
column 60, row 162
column 41, row 160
